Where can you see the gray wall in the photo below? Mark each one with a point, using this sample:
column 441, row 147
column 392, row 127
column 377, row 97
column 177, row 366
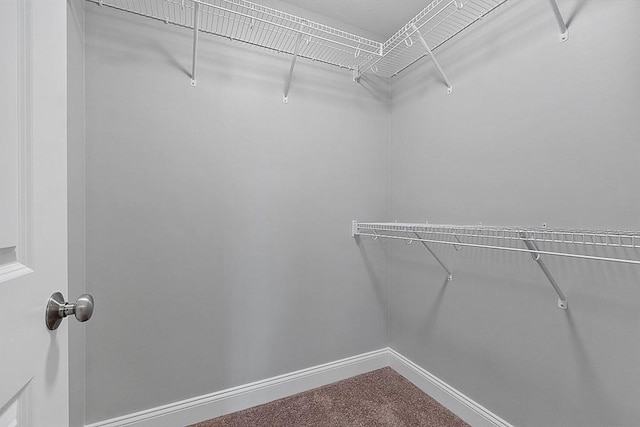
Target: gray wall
column 535, row 131
column 218, row 218
column 76, row 202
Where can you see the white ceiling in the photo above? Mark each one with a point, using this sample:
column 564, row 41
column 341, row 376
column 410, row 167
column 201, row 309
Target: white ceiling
column 382, row 17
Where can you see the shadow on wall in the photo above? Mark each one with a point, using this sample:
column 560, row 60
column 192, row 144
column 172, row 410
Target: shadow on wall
column 433, row 311
column 170, row 59
column 591, row 386
column 373, row 272
column 378, row 87
column 577, row 9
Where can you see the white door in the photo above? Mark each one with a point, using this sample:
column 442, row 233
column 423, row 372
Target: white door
column 33, row 211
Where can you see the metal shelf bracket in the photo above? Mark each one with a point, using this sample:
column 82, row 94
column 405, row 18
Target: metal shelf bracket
column 196, row 30
column 564, row 31
column 285, row 97
column 355, row 232
column 433, row 58
column 535, row 254
column 433, row 254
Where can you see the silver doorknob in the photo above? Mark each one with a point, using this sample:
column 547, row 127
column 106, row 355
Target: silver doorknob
column 58, row 309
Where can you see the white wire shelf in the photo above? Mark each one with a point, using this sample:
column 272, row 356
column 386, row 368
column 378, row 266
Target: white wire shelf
column 257, row 25
column 276, row 30
column 279, row 31
column 440, row 21
column 559, row 241
column 496, row 237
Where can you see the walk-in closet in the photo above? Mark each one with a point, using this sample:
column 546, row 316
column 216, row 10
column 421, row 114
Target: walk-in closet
column 320, row 213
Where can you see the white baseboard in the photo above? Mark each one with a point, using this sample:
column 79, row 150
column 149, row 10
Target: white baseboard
column 234, row 399
column 245, row 396
column 468, row 410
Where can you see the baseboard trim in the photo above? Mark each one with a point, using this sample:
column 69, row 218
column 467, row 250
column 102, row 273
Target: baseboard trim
column 234, row 399
column 467, row 409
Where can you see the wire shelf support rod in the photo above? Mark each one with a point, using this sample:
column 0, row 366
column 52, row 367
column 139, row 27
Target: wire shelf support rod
column 564, row 31
column 535, row 254
column 196, row 30
column 433, row 254
column 433, row 58
column 287, row 86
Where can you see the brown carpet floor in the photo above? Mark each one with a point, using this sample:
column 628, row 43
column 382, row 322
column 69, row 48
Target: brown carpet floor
column 378, row 398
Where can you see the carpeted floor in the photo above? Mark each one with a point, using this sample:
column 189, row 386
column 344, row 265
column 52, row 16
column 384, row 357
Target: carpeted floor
column 376, row 399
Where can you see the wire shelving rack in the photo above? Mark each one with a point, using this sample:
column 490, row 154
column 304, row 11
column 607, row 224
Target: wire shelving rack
column 439, row 22
column 275, row 30
column 557, row 241
column 257, row 25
